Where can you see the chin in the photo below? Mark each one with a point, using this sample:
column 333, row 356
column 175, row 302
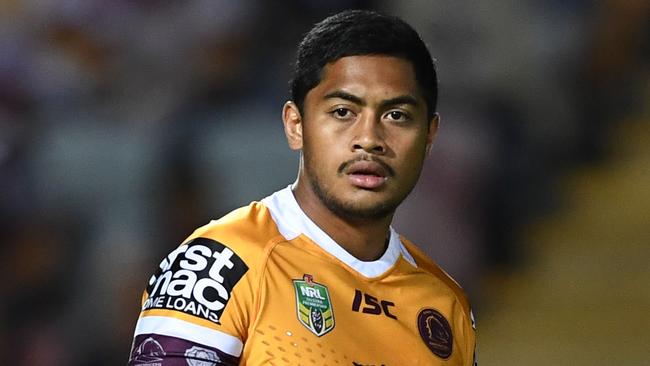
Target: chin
column 358, row 208
column 355, row 212
column 357, row 204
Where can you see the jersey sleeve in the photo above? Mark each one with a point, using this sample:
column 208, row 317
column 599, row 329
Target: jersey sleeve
column 463, row 317
column 197, row 307
column 470, row 350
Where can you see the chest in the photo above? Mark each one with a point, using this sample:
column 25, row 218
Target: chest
column 314, row 311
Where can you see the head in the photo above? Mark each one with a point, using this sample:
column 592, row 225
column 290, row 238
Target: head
column 362, row 113
column 356, row 33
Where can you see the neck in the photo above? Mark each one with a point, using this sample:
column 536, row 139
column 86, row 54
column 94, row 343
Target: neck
column 365, row 239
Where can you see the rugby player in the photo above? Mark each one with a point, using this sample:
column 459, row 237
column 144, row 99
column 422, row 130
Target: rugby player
column 314, row 274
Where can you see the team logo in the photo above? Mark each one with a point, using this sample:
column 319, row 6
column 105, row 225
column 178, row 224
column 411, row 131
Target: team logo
column 313, row 305
column 435, row 332
column 149, row 352
column 196, row 278
column 199, row 356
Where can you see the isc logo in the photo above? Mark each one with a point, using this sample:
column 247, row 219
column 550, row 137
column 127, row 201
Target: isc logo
column 372, row 305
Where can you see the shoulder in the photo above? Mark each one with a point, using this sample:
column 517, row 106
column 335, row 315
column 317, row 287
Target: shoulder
column 219, row 261
column 426, row 264
column 205, row 292
column 249, row 231
column 462, row 318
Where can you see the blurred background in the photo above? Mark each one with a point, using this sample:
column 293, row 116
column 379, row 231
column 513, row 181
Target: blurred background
column 124, row 125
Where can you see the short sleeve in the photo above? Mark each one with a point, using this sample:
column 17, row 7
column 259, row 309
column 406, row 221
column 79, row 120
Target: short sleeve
column 196, row 307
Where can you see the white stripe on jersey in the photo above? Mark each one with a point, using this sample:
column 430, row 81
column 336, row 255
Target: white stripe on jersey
column 179, row 328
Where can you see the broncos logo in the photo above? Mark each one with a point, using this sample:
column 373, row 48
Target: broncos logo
column 149, row 350
column 436, row 332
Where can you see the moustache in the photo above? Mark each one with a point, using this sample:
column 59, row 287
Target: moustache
column 344, row 166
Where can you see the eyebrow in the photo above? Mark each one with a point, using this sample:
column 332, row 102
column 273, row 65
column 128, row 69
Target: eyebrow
column 402, row 99
column 340, row 94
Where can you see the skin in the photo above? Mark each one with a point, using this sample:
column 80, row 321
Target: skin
column 363, row 136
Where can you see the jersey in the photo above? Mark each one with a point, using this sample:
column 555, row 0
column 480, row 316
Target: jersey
column 264, row 285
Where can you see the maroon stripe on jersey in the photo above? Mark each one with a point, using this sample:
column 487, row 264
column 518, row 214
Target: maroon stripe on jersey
column 160, row 350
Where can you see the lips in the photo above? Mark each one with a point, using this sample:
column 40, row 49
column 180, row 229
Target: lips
column 367, row 174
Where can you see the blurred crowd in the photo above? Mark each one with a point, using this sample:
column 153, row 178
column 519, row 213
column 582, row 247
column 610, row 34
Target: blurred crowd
column 124, row 125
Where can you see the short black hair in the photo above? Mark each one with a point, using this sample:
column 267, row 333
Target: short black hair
column 357, row 33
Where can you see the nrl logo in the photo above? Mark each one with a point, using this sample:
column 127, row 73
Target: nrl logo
column 313, row 305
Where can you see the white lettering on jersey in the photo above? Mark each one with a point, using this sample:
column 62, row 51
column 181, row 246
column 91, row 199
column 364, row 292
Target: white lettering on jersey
column 196, row 278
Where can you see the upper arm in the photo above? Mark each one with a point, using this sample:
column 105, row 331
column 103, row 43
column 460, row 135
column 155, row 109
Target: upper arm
column 198, row 306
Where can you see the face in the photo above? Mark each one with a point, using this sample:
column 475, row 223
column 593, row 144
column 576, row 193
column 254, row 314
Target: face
column 363, row 133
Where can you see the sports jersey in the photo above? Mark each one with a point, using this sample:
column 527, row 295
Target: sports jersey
column 264, row 285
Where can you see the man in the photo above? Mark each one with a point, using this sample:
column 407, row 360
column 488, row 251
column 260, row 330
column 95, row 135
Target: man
column 314, row 274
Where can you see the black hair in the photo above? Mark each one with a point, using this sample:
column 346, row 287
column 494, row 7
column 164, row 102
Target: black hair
column 356, row 33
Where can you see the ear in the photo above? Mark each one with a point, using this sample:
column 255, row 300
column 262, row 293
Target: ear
column 292, row 125
column 431, row 134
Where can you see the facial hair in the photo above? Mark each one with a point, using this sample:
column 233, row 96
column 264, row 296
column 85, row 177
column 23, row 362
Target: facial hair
column 348, row 210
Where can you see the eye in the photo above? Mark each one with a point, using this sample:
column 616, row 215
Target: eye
column 342, row 113
column 398, row 116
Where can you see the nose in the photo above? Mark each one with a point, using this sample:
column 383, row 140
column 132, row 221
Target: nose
column 369, row 135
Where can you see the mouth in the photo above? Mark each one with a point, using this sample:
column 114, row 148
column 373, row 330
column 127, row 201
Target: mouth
column 367, row 174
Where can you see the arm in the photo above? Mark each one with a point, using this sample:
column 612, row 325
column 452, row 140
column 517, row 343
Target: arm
column 195, row 308
column 154, row 349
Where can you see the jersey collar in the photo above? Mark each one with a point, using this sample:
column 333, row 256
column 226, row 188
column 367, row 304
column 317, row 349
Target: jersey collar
column 292, row 221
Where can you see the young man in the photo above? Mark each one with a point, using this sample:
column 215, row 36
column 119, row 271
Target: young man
column 314, row 274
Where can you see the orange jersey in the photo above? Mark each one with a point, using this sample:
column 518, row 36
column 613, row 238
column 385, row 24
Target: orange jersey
column 264, row 285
